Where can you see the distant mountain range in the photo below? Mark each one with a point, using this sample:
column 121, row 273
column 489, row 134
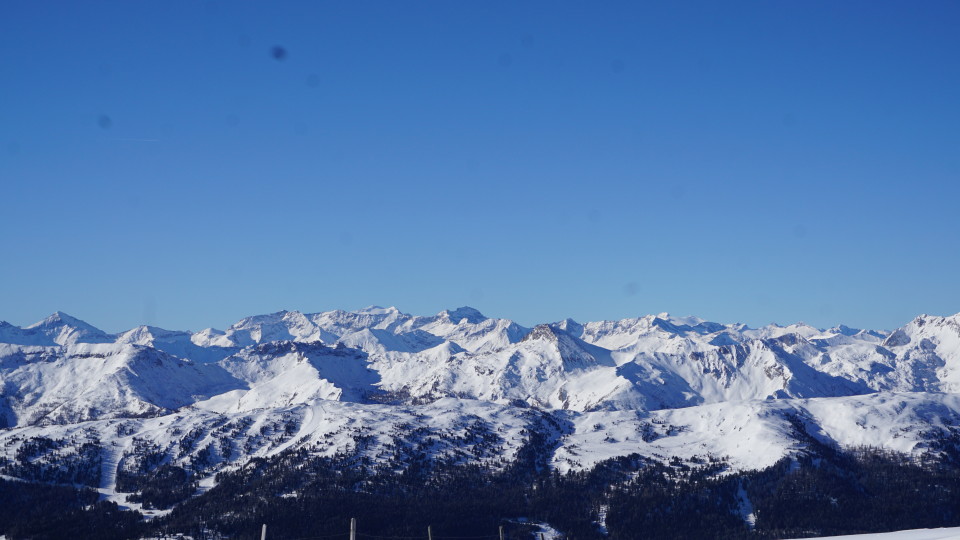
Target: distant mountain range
column 658, row 386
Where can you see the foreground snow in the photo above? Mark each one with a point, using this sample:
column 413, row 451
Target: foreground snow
column 952, row 533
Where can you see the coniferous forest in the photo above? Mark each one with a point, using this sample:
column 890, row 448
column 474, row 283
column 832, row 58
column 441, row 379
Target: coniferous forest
column 299, row 495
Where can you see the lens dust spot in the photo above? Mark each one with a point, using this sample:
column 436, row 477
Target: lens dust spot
column 104, row 121
column 505, row 60
column 631, row 288
column 278, row 53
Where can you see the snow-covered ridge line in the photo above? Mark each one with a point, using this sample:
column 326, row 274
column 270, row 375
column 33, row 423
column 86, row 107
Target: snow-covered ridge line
column 63, row 370
column 381, row 384
column 61, row 328
column 746, row 436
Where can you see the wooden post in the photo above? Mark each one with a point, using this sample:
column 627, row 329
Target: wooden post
column 501, row 532
column 353, row 528
column 263, row 532
column 429, row 532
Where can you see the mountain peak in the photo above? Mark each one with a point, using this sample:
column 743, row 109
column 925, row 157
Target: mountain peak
column 845, row 330
column 541, row 332
column 464, row 312
column 377, row 310
column 569, row 326
column 664, row 323
column 64, row 329
column 59, row 318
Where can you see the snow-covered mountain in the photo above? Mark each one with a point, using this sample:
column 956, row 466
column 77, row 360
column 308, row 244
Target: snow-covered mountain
column 367, row 380
column 647, row 363
column 91, row 381
column 57, row 329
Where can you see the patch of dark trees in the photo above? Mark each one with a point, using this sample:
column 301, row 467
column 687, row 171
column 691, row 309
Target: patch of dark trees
column 50, row 512
column 56, row 461
column 301, row 494
column 824, row 492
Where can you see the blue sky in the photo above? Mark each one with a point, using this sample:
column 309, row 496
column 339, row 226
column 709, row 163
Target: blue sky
column 741, row 161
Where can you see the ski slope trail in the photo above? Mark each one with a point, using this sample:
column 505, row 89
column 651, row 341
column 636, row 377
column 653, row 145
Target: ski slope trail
column 306, row 428
column 109, row 464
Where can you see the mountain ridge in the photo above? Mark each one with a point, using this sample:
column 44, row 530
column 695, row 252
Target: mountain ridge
column 377, row 381
column 654, row 361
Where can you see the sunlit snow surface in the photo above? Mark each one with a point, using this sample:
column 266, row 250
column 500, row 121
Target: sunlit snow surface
column 461, row 386
column 51, row 373
column 952, row 533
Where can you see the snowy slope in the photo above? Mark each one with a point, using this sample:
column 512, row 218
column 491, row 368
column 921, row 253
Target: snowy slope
column 63, row 329
column 949, row 533
column 462, row 385
column 745, row 435
column 180, row 344
column 756, row 434
column 650, row 362
column 280, row 374
column 84, row 381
